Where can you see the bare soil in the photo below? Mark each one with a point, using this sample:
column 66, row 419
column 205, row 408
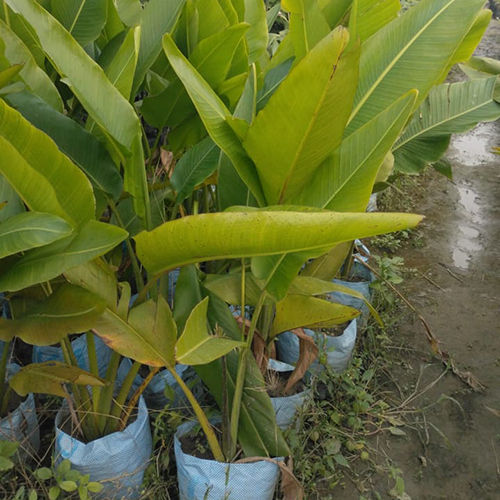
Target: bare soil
column 453, row 451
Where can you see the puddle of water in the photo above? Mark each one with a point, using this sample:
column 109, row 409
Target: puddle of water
column 474, row 148
column 468, row 199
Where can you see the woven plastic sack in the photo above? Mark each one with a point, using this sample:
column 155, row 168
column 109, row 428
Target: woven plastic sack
column 201, row 479
column 338, row 350
column 117, row 460
column 286, row 407
column 79, row 345
column 21, row 425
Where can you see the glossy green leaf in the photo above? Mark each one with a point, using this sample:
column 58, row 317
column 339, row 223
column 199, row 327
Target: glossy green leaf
column 84, row 19
column 247, row 234
column 9, row 74
column 257, row 35
column 121, row 69
column 97, row 277
column 449, row 109
column 70, row 309
column 158, row 18
column 196, row 346
column 299, row 311
column 42, row 264
column 374, row 14
column 214, row 114
column 10, row 202
column 129, row 11
column 345, row 181
column 30, row 230
column 15, row 51
column 73, row 140
column 307, row 25
column 87, row 80
column 198, row 163
column 50, row 378
column 288, row 141
column 410, row 52
column 148, row 336
column 44, row 178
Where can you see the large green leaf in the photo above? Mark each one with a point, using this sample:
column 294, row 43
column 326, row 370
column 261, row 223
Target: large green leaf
column 84, row 19
column 449, row 109
column 410, row 52
column 307, row 26
column 344, row 182
column 158, row 18
column 374, row 14
column 247, row 234
column 335, row 11
column 50, row 378
column 44, row 178
column 30, row 230
column 10, row 203
column 212, row 59
column 228, row 288
column 149, row 335
column 198, row 163
column 257, row 36
column 297, row 311
column 42, row 264
column 196, row 346
column 70, row 309
column 257, row 433
column 14, row 51
column 86, row 78
column 73, row 140
column 215, row 116
column 129, row 11
column 304, row 120
column 121, row 68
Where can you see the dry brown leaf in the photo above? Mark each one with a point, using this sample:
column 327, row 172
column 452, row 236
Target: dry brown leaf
column 308, row 353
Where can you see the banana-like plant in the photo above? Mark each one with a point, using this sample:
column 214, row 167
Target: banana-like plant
column 300, row 135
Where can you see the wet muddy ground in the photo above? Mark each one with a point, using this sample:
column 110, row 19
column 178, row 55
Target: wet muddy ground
column 453, row 450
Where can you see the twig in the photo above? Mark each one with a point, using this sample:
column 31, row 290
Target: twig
column 432, row 282
column 446, row 359
column 451, row 273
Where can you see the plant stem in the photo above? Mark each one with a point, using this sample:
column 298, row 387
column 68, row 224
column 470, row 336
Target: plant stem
column 119, row 402
column 4, row 387
column 226, row 423
column 240, row 378
column 135, row 397
column 94, row 369
column 243, row 288
column 133, row 258
column 202, row 418
column 107, row 392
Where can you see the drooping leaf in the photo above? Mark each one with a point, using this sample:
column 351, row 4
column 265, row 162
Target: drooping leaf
column 196, row 346
column 30, row 230
column 344, row 182
column 215, row 116
column 304, row 120
column 84, row 19
column 148, row 336
column 246, row 234
column 15, row 51
column 73, row 140
column 42, row 264
column 449, row 109
column 44, row 178
column 299, row 311
column 70, row 309
column 198, row 163
column 50, row 377
column 391, row 59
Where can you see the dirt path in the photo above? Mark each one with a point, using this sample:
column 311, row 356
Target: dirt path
column 454, row 452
